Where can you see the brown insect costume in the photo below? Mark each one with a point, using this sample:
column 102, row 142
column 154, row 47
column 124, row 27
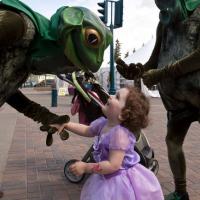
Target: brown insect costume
column 73, row 39
column 175, row 66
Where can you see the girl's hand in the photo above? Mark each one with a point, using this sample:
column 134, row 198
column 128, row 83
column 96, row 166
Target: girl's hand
column 78, row 168
column 60, row 127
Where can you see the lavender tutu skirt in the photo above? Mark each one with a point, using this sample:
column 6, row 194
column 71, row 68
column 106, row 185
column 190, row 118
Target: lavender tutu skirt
column 136, row 183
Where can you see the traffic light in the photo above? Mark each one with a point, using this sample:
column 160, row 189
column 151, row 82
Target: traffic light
column 103, row 11
column 118, row 14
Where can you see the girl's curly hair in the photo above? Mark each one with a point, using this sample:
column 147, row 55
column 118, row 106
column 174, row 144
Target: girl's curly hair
column 135, row 112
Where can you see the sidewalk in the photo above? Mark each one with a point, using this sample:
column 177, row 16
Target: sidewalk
column 29, row 170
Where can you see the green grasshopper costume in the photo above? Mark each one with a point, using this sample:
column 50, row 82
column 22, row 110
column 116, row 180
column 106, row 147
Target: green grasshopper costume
column 175, row 66
column 73, row 39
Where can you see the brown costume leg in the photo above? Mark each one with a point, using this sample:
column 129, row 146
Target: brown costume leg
column 178, row 125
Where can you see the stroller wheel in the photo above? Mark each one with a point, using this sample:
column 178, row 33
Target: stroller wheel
column 71, row 177
column 154, row 167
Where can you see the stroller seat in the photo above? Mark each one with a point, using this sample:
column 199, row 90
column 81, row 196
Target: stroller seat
column 146, row 153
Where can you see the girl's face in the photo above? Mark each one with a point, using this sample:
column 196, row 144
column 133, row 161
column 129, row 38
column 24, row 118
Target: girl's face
column 112, row 109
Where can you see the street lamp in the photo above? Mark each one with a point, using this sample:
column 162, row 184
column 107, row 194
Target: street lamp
column 117, row 24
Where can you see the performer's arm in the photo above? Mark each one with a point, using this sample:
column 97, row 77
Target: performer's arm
column 12, row 27
column 185, row 65
column 39, row 114
column 30, row 109
column 134, row 71
column 188, row 64
column 152, row 63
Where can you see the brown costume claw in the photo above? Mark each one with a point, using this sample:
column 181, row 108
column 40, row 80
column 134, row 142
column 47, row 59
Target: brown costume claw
column 64, row 135
column 131, row 71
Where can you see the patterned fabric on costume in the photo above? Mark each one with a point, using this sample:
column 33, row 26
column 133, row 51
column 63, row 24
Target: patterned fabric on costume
column 132, row 181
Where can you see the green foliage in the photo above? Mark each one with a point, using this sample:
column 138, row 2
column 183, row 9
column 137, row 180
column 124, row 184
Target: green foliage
column 117, row 50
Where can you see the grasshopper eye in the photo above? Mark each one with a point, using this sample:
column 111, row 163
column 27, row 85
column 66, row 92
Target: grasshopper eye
column 92, row 37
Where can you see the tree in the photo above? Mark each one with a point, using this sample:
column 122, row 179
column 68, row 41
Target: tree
column 117, row 50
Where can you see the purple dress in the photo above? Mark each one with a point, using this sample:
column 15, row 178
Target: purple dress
column 132, row 181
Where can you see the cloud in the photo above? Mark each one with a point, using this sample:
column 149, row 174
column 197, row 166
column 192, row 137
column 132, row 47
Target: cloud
column 139, row 24
column 146, row 3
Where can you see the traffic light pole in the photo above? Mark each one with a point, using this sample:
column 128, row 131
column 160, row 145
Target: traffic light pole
column 117, row 24
column 112, row 89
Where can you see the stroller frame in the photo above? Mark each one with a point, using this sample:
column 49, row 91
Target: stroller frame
column 142, row 146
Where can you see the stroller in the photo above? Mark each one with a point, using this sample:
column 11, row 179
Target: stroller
column 89, row 94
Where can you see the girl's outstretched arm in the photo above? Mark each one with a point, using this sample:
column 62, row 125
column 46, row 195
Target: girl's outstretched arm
column 104, row 167
column 79, row 129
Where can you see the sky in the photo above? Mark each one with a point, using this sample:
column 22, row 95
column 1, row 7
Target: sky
column 140, row 19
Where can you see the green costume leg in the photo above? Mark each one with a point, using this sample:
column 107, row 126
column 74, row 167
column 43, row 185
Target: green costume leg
column 178, row 125
column 176, row 156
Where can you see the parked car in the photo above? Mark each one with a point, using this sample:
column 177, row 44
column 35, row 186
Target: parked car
column 29, row 84
column 45, row 83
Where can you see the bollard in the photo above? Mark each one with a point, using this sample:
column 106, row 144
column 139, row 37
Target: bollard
column 54, row 96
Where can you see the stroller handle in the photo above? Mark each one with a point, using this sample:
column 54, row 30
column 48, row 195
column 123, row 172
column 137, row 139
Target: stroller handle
column 85, row 92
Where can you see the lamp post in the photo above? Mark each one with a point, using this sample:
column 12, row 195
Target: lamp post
column 118, row 14
column 54, row 93
column 112, row 89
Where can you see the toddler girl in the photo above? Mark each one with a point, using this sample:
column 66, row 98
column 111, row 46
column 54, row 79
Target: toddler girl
column 117, row 174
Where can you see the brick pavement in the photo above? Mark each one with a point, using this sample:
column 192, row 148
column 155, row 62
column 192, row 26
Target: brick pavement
column 35, row 172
